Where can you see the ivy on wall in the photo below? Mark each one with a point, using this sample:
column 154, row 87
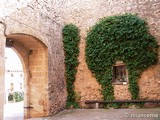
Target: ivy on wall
column 71, row 41
column 120, row 38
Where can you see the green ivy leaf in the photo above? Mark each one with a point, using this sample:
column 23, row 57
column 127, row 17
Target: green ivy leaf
column 124, row 37
column 71, row 41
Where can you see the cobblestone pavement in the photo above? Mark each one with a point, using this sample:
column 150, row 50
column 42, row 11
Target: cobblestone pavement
column 106, row 114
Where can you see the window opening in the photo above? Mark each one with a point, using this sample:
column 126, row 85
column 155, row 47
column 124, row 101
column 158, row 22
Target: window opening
column 120, row 73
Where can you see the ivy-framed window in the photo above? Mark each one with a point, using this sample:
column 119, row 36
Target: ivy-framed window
column 120, row 74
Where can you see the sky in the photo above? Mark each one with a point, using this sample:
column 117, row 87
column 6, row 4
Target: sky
column 12, row 61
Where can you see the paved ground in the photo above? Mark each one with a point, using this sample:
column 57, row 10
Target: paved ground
column 13, row 111
column 109, row 114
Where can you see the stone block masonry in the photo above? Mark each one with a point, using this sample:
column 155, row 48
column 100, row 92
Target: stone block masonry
column 2, row 68
column 85, row 14
column 44, row 20
column 45, row 74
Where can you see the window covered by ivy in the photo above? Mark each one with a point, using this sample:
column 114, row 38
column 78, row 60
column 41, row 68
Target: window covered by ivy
column 120, row 38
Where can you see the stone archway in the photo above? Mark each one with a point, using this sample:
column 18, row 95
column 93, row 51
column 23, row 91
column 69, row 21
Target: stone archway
column 34, row 56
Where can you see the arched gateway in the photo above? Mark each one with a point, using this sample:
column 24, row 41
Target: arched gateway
column 34, row 56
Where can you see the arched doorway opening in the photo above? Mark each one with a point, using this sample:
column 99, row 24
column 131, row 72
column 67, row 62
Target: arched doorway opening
column 34, row 56
column 14, row 82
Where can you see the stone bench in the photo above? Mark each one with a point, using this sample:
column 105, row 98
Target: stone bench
column 97, row 102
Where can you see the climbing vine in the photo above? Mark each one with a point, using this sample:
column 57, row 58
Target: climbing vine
column 71, row 41
column 120, row 38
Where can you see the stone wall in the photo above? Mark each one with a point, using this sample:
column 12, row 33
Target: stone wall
column 41, row 20
column 2, row 69
column 150, row 83
column 44, row 19
column 85, row 14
